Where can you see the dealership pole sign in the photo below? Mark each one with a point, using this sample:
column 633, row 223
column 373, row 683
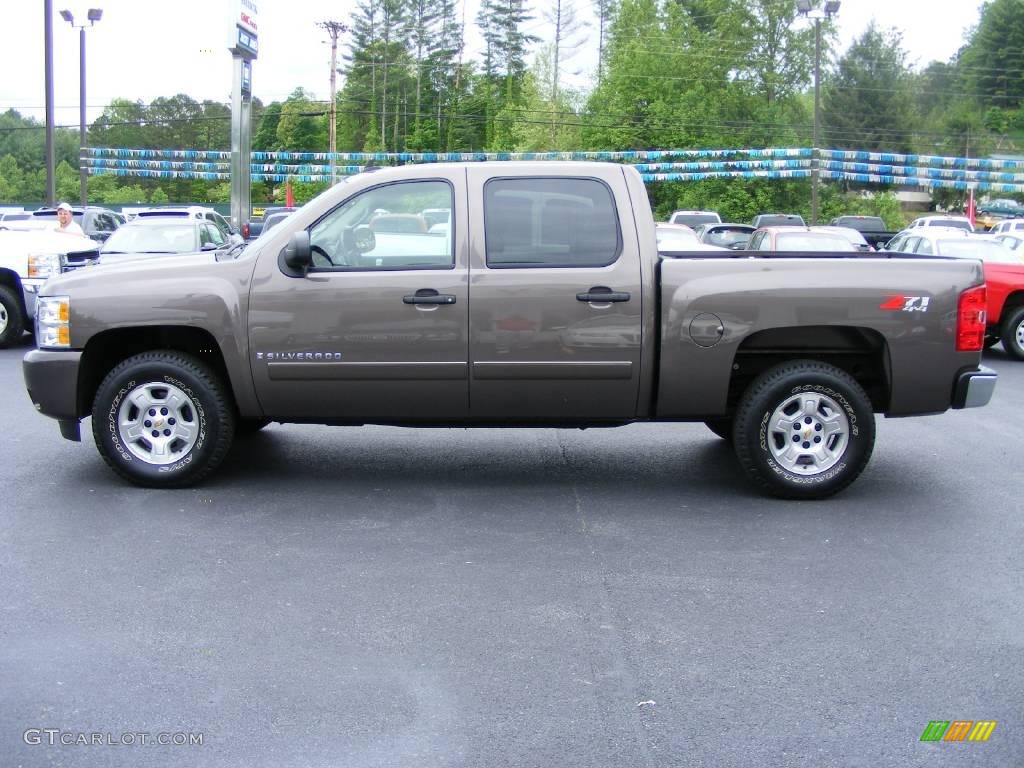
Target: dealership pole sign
column 243, row 39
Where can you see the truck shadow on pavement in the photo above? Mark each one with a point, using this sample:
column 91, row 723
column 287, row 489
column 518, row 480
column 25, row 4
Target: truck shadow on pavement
column 417, row 458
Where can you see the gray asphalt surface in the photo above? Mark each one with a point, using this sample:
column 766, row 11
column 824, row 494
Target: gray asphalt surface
column 387, row 597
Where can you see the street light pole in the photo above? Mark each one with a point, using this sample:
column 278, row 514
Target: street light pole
column 81, row 116
column 816, row 158
column 804, row 7
column 51, row 195
column 94, row 15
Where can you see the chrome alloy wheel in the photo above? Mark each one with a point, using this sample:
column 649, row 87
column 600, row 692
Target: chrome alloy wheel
column 3, row 320
column 1019, row 333
column 808, row 433
column 158, row 423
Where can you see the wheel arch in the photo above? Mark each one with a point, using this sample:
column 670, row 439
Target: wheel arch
column 10, row 278
column 1013, row 300
column 108, row 348
column 861, row 352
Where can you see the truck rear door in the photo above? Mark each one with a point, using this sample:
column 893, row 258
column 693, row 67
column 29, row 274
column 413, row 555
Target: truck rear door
column 376, row 331
column 555, row 296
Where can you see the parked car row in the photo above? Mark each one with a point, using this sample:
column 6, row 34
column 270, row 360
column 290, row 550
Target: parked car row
column 1004, row 275
column 1001, row 251
column 32, row 250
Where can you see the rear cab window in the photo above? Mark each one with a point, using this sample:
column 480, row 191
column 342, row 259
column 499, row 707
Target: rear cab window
column 550, row 222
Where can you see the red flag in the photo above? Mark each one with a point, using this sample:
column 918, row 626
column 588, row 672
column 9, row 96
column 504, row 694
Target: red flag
column 971, row 212
column 289, row 198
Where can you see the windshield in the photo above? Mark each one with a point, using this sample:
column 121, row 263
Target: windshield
column 812, row 241
column 986, row 250
column 862, row 223
column 728, row 237
column 165, row 238
column 781, row 220
column 957, row 223
column 693, row 219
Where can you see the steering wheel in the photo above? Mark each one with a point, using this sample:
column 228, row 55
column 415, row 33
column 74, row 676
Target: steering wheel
column 320, row 256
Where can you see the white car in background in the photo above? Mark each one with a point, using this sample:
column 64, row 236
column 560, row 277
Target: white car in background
column 693, row 218
column 28, row 258
column 1006, row 226
column 678, row 238
column 954, row 222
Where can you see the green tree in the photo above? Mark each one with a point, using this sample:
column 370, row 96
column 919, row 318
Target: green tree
column 990, row 64
column 303, row 124
column 872, row 80
column 12, row 180
column 66, row 182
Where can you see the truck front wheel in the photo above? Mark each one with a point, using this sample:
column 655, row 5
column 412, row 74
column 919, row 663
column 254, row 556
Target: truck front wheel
column 162, row 419
column 1013, row 334
column 12, row 324
column 804, row 430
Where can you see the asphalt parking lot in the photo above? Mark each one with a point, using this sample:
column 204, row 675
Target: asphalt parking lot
column 387, row 597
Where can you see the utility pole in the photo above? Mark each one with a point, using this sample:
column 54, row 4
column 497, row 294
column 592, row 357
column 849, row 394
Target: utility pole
column 334, row 29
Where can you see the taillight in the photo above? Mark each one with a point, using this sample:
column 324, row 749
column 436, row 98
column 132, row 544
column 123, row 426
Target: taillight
column 245, row 230
column 971, row 317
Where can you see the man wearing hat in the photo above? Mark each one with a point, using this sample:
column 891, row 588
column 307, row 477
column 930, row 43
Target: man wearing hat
column 65, row 222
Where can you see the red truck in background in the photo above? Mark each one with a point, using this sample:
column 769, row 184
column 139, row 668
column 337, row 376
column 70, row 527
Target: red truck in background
column 1004, row 277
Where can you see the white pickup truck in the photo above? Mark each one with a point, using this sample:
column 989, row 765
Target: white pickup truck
column 28, row 258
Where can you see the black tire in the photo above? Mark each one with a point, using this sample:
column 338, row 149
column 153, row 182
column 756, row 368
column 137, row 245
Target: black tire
column 1012, row 333
column 721, row 427
column 12, row 319
column 208, row 414
column 842, row 420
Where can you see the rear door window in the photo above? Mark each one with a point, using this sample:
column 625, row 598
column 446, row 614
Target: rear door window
column 550, row 222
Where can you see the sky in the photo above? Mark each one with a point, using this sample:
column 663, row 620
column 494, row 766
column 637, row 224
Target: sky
column 142, row 49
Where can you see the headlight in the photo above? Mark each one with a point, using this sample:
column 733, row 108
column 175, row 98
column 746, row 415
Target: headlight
column 43, row 264
column 53, row 317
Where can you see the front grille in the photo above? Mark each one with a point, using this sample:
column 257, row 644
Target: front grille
column 72, row 261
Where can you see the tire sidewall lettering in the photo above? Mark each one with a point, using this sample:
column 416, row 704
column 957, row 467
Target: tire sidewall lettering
column 113, row 434
column 833, row 473
column 115, row 406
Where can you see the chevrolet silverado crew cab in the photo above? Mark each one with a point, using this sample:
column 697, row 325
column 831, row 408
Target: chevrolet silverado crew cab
column 544, row 303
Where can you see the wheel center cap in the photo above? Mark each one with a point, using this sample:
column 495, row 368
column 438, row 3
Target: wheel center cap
column 158, row 423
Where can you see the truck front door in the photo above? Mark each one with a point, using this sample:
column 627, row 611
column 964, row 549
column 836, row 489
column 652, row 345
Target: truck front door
column 555, row 316
column 377, row 330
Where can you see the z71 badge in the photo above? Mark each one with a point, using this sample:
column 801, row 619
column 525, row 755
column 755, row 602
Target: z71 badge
column 906, row 303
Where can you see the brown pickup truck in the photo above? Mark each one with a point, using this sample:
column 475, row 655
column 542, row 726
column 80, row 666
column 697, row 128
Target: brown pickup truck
column 541, row 299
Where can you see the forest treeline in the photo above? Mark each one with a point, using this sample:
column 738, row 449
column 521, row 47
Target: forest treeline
column 671, row 74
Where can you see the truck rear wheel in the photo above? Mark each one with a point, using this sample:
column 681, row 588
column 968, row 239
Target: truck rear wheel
column 12, row 324
column 804, row 430
column 162, row 419
column 1013, row 334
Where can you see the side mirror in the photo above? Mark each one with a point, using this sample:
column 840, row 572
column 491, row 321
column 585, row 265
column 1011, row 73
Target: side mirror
column 297, row 255
column 209, row 247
